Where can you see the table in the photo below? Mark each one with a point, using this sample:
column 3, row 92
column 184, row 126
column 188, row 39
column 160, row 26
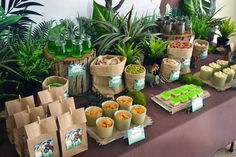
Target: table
column 198, row 134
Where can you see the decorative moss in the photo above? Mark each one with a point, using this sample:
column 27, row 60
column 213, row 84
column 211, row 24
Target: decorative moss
column 138, row 97
column 135, row 69
column 190, row 79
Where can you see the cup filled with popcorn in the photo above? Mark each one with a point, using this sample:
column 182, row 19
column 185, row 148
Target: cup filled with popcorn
column 122, row 119
column 138, row 114
column 92, row 114
column 124, row 102
column 104, row 127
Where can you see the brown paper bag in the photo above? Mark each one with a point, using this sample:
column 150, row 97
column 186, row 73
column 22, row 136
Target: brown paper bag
column 170, row 72
column 15, row 106
column 60, row 107
column 21, row 119
column 73, row 132
column 105, row 77
column 50, row 95
column 42, row 138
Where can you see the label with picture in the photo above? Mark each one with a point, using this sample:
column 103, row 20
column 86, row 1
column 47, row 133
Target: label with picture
column 139, row 84
column 44, row 149
column 73, row 139
column 115, row 81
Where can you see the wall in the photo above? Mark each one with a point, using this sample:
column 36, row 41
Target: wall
column 228, row 9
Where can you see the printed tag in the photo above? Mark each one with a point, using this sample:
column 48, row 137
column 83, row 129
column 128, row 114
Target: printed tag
column 76, row 70
column 197, row 104
column 139, row 84
column 73, row 139
column 136, row 134
column 115, row 81
column 174, row 75
column 44, row 149
column 185, row 62
column 203, row 54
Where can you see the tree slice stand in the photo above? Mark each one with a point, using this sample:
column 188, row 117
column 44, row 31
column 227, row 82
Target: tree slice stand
column 77, row 84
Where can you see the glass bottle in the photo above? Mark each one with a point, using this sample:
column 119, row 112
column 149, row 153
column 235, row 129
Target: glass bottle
column 51, row 44
column 61, row 49
column 77, row 48
column 68, row 38
column 87, row 45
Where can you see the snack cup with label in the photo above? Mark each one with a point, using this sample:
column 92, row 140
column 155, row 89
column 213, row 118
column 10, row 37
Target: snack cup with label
column 124, row 102
column 138, row 114
column 122, row 119
column 109, row 108
column 104, row 127
column 92, row 114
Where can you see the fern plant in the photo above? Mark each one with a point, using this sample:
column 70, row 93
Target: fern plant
column 128, row 50
column 227, row 28
column 201, row 27
column 155, row 48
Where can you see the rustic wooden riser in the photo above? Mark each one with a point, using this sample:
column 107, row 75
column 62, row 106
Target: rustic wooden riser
column 77, row 84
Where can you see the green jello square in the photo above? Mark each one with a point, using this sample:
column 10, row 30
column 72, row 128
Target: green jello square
column 183, row 98
column 191, row 86
column 175, row 101
column 176, row 92
column 198, row 91
column 165, row 95
column 191, row 95
column 184, row 89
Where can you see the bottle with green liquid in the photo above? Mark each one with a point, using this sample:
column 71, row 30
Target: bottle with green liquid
column 87, row 45
column 77, row 48
column 51, row 44
column 61, row 50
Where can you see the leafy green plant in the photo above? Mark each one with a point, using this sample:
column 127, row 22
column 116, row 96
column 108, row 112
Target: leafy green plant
column 155, row 48
column 138, row 97
column 29, row 54
column 126, row 30
column 201, row 27
column 227, row 28
column 128, row 50
column 22, row 8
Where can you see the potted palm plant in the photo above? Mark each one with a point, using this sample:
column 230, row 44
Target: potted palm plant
column 227, row 29
column 155, row 50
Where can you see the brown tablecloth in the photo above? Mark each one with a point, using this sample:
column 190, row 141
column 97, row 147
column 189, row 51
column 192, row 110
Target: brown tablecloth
column 197, row 134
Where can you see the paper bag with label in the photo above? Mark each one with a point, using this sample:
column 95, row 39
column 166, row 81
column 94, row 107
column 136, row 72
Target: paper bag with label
column 21, row 119
column 48, row 96
column 42, row 138
column 61, row 106
column 15, row 106
column 73, row 132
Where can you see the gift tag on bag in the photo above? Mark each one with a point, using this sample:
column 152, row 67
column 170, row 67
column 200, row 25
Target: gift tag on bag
column 174, row 75
column 115, row 81
column 139, row 84
column 204, row 54
column 136, row 134
column 185, row 62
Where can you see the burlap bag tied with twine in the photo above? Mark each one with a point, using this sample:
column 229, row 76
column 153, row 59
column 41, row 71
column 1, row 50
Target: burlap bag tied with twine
column 42, row 138
column 107, row 73
column 200, row 49
column 170, row 70
column 15, row 106
column 73, row 132
column 21, row 119
column 57, row 83
column 183, row 56
column 135, row 81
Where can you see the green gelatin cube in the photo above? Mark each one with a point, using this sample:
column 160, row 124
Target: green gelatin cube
column 198, row 91
column 176, row 92
column 191, row 86
column 183, row 98
column 174, row 101
column 165, row 95
column 191, row 95
column 184, row 89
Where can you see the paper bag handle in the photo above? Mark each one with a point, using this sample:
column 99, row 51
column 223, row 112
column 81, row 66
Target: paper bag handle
column 38, row 118
column 60, row 99
column 28, row 108
column 19, row 96
column 70, row 110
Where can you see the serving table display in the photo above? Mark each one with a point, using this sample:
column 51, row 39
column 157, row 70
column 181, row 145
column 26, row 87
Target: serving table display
column 80, row 81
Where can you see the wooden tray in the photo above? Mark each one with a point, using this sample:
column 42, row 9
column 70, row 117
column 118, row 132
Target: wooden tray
column 209, row 83
column 116, row 133
column 168, row 107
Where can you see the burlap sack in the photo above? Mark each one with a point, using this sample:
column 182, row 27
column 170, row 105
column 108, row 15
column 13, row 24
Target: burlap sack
column 134, row 81
column 21, row 119
column 167, row 70
column 56, row 80
column 50, row 95
column 200, row 52
column 15, row 106
column 104, row 75
column 73, row 132
column 60, row 107
column 183, row 56
column 42, row 138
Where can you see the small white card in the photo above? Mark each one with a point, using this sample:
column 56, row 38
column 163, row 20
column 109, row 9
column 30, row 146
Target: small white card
column 136, row 134
column 197, row 104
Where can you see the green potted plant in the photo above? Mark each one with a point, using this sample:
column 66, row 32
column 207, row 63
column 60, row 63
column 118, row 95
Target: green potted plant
column 227, row 29
column 130, row 51
column 155, row 50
